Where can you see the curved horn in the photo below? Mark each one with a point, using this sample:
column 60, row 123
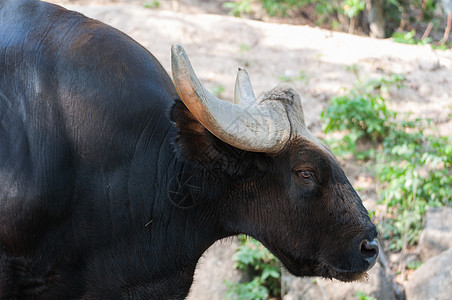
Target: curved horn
column 260, row 127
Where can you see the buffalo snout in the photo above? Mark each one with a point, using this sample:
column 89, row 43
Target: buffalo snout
column 370, row 250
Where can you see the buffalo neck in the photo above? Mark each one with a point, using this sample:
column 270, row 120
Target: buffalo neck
column 168, row 202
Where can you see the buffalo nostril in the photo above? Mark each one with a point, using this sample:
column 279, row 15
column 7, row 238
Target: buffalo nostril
column 370, row 251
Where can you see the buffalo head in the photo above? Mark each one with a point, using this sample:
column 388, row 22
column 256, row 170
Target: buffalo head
column 279, row 183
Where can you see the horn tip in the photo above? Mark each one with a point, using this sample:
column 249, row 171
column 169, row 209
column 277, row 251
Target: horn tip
column 177, row 49
column 242, row 71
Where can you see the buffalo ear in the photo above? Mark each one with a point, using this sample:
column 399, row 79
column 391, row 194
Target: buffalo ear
column 198, row 145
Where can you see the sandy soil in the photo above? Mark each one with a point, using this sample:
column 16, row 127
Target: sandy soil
column 218, row 44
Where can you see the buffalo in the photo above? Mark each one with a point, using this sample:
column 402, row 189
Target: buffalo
column 114, row 180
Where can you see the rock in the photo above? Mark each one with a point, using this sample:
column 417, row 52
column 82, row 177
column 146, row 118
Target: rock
column 432, row 280
column 436, row 236
column 214, row 267
column 378, row 286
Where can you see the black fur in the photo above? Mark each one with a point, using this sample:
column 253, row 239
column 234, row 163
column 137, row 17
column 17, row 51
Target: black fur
column 110, row 188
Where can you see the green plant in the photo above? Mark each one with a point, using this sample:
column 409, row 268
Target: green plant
column 429, row 9
column 353, row 69
column 413, row 168
column 262, row 268
column 415, row 172
column 363, row 296
column 244, row 48
column 238, row 8
column 361, row 113
column 246, row 291
column 218, row 90
column 152, row 4
column 352, row 8
column 414, row 264
column 282, row 7
column 442, row 46
column 409, row 38
column 301, row 77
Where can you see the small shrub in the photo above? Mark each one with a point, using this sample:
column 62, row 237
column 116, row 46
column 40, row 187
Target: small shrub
column 414, row 264
column 282, row 7
column 362, row 114
column 415, row 172
column 363, row 296
column 238, row 8
column 246, row 291
column 353, row 8
column 413, row 168
column 152, row 4
column 410, row 38
column 405, row 37
column 262, row 268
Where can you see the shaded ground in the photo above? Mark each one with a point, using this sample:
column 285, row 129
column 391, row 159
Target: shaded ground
column 318, row 63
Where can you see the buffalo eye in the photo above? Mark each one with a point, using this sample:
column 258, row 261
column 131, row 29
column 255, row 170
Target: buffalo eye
column 305, row 174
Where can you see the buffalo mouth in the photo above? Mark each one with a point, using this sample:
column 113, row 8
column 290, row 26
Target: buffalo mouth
column 342, row 275
column 307, row 267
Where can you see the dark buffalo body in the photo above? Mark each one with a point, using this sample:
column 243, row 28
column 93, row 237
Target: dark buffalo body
column 110, row 187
